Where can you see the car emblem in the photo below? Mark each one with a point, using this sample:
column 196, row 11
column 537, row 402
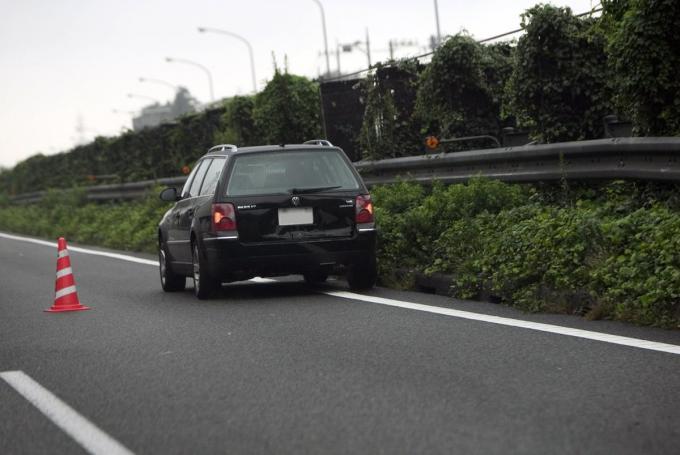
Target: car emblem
column 296, row 201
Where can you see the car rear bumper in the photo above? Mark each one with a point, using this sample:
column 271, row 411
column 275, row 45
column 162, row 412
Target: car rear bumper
column 228, row 258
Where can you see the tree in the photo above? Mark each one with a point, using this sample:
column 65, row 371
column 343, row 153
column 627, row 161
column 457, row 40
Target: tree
column 558, row 88
column 239, row 127
column 377, row 136
column 288, row 110
column 389, row 128
column 644, row 48
column 454, row 97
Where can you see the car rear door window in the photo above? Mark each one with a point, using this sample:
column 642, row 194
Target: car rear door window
column 190, row 180
column 198, row 178
column 212, row 176
column 280, row 172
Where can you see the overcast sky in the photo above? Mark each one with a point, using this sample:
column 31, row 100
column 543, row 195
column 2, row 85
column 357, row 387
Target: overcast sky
column 62, row 60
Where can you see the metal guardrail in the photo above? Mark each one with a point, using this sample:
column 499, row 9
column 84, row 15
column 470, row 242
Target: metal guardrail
column 114, row 191
column 650, row 158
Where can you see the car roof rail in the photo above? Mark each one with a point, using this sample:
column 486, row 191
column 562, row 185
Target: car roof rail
column 223, row 148
column 322, row 142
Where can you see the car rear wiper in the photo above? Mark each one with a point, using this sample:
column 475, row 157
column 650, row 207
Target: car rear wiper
column 317, row 189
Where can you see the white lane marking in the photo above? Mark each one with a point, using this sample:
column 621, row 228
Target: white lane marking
column 85, row 433
column 597, row 336
column 122, row 257
column 27, row 239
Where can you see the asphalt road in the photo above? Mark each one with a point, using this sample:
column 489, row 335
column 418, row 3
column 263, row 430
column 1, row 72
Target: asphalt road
column 284, row 368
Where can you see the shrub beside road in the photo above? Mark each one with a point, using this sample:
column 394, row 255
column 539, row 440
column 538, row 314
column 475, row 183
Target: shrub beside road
column 607, row 251
column 127, row 226
column 604, row 252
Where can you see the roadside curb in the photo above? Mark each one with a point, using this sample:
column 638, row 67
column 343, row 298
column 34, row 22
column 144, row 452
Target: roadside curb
column 435, row 283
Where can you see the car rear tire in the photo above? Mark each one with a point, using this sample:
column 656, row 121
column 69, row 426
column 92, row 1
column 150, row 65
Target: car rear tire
column 170, row 281
column 205, row 284
column 362, row 276
column 315, row 277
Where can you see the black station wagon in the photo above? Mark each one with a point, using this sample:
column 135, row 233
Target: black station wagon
column 268, row 211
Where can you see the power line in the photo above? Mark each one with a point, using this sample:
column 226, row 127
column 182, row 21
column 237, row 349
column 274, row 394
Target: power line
column 427, row 54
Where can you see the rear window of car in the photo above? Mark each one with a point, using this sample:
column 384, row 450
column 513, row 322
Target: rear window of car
column 280, row 172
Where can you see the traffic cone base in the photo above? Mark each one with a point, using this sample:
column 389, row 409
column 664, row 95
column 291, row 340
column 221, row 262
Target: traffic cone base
column 65, row 294
column 68, row 302
column 67, row 308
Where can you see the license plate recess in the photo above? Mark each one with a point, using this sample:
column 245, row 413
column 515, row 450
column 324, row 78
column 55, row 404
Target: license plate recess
column 296, row 216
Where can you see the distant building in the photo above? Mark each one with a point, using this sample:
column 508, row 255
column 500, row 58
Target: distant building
column 151, row 116
column 155, row 114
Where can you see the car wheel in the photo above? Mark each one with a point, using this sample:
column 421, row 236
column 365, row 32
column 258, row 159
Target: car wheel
column 315, row 277
column 204, row 284
column 170, row 282
column 362, row 276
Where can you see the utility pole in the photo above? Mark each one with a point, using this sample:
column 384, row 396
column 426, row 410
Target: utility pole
column 368, row 48
column 395, row 44
column 436, row 15
column 337, row 55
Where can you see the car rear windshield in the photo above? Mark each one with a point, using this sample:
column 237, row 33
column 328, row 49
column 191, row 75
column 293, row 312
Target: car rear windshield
column 290, row 171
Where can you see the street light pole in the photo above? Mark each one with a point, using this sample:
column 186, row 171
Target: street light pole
column 247, row 43
column 159, row 81
column 325, row 37
column 436, row 16
column 191, row 62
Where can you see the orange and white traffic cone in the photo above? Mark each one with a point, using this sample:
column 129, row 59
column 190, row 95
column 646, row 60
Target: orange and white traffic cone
column 65, row 294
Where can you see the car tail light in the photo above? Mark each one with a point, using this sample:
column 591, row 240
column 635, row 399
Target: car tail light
column 364, row 209
column 223, row 217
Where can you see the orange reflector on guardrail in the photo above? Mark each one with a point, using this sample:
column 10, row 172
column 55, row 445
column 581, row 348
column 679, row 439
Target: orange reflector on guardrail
column 431, row 142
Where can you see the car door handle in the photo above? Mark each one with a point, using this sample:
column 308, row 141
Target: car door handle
column 190, row 213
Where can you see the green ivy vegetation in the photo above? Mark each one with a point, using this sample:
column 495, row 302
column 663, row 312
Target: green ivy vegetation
column 128, row 226
column 559, row 81
column 455, row 98
column 377, row 136
column 147, row 154
column 644, row 56
column 558, row 88
column 563, row 77
column 607, row 251
column 288, row 110
column 238, row 125
column 389, row 128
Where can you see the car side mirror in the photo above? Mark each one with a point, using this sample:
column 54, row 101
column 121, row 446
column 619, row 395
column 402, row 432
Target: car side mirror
column 169, row 195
